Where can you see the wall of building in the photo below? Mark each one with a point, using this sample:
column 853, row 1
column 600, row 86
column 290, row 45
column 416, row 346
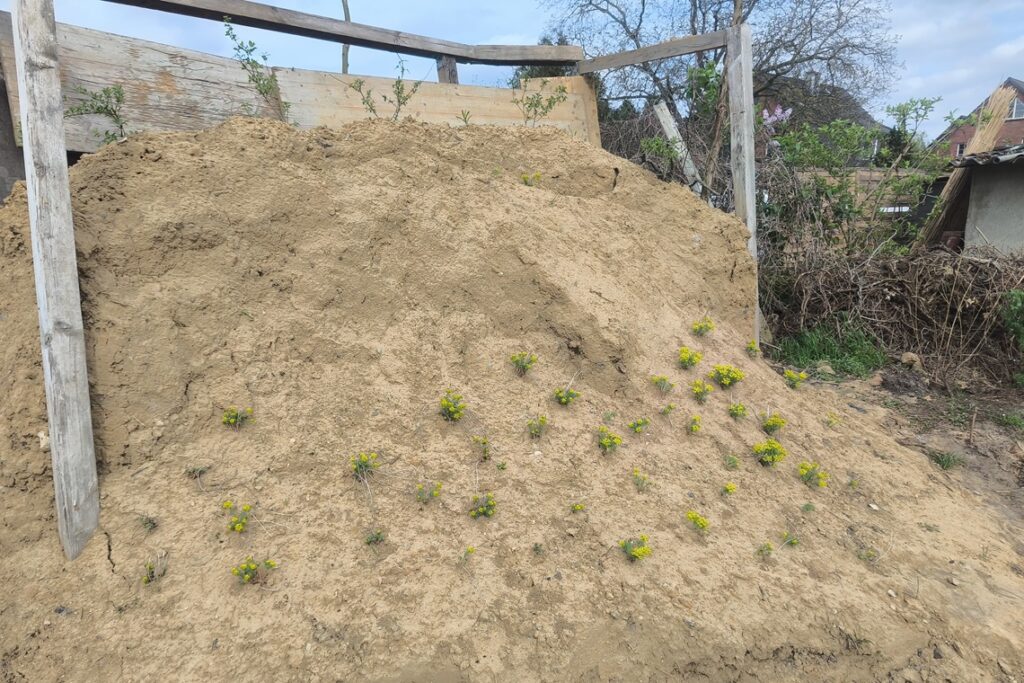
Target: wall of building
column 1012, row 133
column 995, row 215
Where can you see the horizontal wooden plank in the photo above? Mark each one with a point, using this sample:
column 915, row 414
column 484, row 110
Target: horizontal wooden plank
column 669, row 48
column 170, row 89
column 259, row 15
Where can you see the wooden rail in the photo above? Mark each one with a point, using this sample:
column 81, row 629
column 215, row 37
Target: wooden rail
column 258, row 15
column 669, row 48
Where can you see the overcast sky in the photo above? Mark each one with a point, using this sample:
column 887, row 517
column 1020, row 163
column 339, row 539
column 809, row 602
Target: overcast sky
column 957, row 49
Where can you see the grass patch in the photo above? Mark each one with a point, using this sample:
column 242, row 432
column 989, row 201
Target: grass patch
column 850, row 353
column 944, row 460
column 1011, row 420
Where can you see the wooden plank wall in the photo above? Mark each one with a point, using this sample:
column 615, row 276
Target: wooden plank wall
column 172, row 89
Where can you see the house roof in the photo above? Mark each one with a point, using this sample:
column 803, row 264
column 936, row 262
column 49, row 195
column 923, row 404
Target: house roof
column 1015, row 83
column 1013, row 154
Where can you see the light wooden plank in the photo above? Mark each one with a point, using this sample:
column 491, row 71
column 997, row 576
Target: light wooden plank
column 669, row 48
column 671, row 130
column 75, row 484
column 259, row 15
column 447, row 70
column 739, row 70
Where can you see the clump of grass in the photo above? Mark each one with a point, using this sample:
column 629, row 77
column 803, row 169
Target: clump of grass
column 577, row 507
column 239, row 515
column 728, row 488
column 807, row 507
column 522, row 362
column 812, row 474
column 694, row 427
column 737, row 410
column 944, row 460
column 790, row 540
column 769, row 452
column 1011, row 420
column 607, row 440
column 452, row 406
column 703, row 327
column 772, row 423
column 689, row 358
column 752, row 349
column 235, row 418
column 794, row 379
column 639, row 424
column 424, row 495
column 667, row 409
column 731, row 462
column 363, row 464
column 566, row 396
column 485, row 447
column 725, row 375
column 149, row 523
column 538, row 549
column 699, row 522
column 375, row 537
column 663, row 383
column 765, row 550
column 249, row 571
column 636, row 549
column 640, row 480
column 852, row 352
column 483, row 506
column 537, row 425
column 700, row 390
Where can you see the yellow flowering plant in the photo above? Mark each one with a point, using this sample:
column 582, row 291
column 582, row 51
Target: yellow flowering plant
column 483, row 506
column 769, row 452
column 250, row 571
column 425, row 495
column 153, row 571
column 812, row 474
column 238, row 515
column 725, row 375
column 363, row 464
column 566, row 396
column 794, row 379
column 640, row 480
column 607, row 440
column 531, row 179
column 703, row 327
column 700, row 390
column 636, row 549
column 639, row 424
column 771, row 423
column 522, row 362
column 688, row 358
column 663, row 383
column 577, row 507
column 699, row 522
column 737, row 410
column 452, row 406
column 752, row 349
column 235, row 418
column 537, row 425
column 485, row 446
column 728, row 489
column 694, row 427
column 667, row 409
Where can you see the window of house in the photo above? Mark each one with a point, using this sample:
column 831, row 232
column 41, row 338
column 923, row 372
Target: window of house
column 1017, row 109
column 960, row 147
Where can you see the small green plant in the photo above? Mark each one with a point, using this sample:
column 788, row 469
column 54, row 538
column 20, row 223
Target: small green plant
column 607, row 440
column 239, row 516
column 536, row 106
column 401, row 94
column 531, row 179
column 259, row 73
column 452, row 406
column 737, row 410
column 636, row 549
column 375, row 537
column 725, row 375
column 753, row 350
column 577, row 507
column 688, row 358
column 233, row 417
column 807, row 507
column 832, row 420
column 731, row 462
column 945, row 460
column 154, row 570
column 700, row 390
column 790, row 540
column 464, row 116
column 663, row 383
column 467, row 553
column 196, row 472
column 765, row 550
column 149, row 523
column 703, row 327
column 869, row 555
column 1011, row 420
column 1018, row 380
column 1013, row 315
column 772, row 423
column 694, row 427
column 485, row 447
column 660, row 155
column 640, row 480
column 537, row 425
column 363, row 464
column 502, row 465
column 424, row 495
column 667, row 409
column 794, row 379
column 566, row 396
column 769, row 452
column 522, row 362
column 728, row 488
column 812, row 474
column 105, row 102
column 639, row 425
column 699, row 522
column 250, row 571
column 538, row 549
column 483, row 506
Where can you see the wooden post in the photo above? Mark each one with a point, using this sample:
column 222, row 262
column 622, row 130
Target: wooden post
column 671, row 130
column 56, row 274
column 447, row 70
column 739, row 71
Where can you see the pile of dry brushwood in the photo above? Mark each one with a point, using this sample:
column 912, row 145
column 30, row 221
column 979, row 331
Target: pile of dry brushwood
column 945, row 307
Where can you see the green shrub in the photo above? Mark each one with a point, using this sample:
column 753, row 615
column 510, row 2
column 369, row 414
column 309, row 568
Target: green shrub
column 635, row 549
column 812, row 474
column 688, row 358
column 1013, row 315
column 769, row 452
column 233, row 417
column 944, row 460
column 772, row 423
column 566, row 396
column 607, row 440
column 737, row 410
column 522, row 362
column 375, row 537
column 725, row 375
column 852, row 353
column 452, row 406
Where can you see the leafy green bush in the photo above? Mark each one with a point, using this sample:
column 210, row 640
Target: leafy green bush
column 1013, row 315
column 850, row 352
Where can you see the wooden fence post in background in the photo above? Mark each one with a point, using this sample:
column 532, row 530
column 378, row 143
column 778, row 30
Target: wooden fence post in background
column 447, row 70
column 671, row 130
column 739, row 71
column 56, row 274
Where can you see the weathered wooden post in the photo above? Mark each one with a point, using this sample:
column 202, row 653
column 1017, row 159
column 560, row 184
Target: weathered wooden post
column 447, row 70
column 56, row 274
column 739, row 71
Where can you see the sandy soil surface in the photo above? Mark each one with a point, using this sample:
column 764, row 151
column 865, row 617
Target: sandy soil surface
column 338, row 282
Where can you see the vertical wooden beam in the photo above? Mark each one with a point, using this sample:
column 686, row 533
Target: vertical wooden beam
column 447, row 70
column 56, row 274
column 739, row 71
column 671, row 130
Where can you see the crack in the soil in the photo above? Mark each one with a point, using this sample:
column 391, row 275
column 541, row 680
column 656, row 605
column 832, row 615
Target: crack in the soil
column 110, row 552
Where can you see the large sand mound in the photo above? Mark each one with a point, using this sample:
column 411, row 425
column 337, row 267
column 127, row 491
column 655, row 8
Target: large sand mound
column 339, row 282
